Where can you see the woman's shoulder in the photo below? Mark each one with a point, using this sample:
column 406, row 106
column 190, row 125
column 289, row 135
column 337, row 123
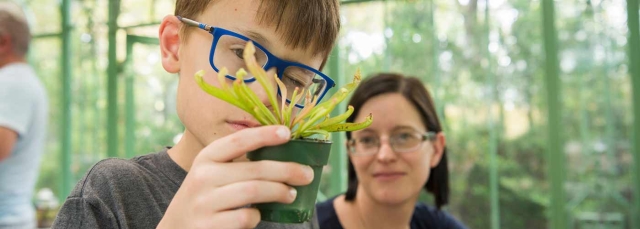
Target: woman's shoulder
column 425, row 216
column 327, row 216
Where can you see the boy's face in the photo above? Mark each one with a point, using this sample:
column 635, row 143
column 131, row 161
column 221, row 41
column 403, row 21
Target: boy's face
column 205, row 117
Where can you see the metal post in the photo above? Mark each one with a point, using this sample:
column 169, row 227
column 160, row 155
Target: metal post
column 634, row 68
column 436, row 64
column 493, row 136
column 386, row 65
column 112, row 81
column 338, row 157
column 130, row 103
column 129, row 133
column 65, row 124
column 555, row 155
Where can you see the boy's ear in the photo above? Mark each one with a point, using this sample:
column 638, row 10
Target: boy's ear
column 169, row 36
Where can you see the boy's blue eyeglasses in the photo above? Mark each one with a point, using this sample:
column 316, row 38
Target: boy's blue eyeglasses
column 227, row 50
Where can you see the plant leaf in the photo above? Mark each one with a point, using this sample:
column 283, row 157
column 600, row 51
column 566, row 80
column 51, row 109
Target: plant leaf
column 308, row 106
column 336, row 119
column 296, row 133
column 260, row 75
column 250, row 97
column 288, row 112
column 260, row 117
column 217, row 92
column 283, row 94
column 313, row 118
column 308, row 133
column 349, row 126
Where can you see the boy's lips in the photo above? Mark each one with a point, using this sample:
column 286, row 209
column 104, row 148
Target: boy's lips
column 243, row 124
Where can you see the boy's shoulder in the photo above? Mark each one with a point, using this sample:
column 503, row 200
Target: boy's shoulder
column 114, row 191
column 125, row 175
column 108, row 173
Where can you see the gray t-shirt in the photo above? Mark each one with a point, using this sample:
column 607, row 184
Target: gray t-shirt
column 118, row 193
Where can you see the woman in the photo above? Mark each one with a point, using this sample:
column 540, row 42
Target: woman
column 390, row 162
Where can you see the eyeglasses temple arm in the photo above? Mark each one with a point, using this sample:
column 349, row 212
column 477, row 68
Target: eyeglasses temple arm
column 195, row 23
column 429, row 135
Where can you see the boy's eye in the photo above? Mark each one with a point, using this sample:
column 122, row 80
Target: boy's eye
column 238, row 52
column 293, row 81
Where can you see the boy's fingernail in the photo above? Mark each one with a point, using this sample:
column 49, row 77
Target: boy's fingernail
column 283, row 132
column 293, row 193
column 308, row 172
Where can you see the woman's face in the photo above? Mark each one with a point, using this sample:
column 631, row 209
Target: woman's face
column 387, row 176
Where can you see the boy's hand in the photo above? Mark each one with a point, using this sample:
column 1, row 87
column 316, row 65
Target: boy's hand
column 215, row 190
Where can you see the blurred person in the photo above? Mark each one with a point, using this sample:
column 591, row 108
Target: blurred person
column 393, row 160
column 23, row 121
column 205, row 180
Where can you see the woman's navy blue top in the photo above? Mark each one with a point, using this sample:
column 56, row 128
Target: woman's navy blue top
column 424, row 217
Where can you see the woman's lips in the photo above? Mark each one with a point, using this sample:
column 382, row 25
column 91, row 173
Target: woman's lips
column 388, row 176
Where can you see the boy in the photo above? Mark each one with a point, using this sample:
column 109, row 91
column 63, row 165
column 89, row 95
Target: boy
column 205, row 181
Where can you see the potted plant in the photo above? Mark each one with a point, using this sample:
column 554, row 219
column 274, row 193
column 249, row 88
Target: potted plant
column 310, row 128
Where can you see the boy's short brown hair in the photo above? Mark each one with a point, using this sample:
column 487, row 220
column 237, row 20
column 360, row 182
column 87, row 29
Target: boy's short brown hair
column 301, row 22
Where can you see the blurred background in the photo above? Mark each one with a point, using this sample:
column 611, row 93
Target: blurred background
column 536, row 97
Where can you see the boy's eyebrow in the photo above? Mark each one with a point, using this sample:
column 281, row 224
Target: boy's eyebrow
column 257, row 37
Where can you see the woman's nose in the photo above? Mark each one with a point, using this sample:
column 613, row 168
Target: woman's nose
column 385, row 152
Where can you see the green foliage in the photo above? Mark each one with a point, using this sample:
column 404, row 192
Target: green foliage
column 311, row 120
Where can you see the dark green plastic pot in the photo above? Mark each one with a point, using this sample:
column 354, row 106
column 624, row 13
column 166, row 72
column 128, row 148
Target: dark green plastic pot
column 307, row 152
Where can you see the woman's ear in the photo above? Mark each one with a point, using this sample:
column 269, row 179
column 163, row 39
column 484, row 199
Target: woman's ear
column 169, row 35
column 438, row 144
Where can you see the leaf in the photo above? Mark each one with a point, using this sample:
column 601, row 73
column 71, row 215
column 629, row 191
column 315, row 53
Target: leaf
column 260, row 117
column 217, row 92
column 250, row 97
column 283, row 94
column 260, row 75
column 314, row 118
column 349, row 126
column 288, row 112
column 333, row 101
column 308, row 106
column 336, row 119
column 309, row 133
column 296, row 133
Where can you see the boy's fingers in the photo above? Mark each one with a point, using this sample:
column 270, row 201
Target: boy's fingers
column 251, row 192
column 239, row 218
column 285, row 172
column 239, row 143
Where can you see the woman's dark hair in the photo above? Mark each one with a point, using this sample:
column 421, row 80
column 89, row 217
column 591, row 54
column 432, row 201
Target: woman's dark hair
column 415, row 92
